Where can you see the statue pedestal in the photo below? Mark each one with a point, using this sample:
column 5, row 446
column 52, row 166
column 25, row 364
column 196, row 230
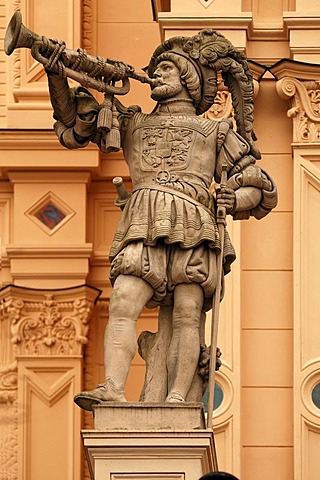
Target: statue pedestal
column 149, row 442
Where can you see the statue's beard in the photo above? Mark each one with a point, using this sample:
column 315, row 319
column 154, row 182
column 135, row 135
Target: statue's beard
column 161, row 92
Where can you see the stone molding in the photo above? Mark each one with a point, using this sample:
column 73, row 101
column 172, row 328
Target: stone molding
column 175, row 455
column 48, row 322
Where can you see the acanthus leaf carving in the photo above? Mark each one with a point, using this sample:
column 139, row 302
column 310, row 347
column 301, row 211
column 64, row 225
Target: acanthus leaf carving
column 47, row 327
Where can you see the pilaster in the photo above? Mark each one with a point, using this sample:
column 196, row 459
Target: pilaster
column 303, row 95
column 41, row 346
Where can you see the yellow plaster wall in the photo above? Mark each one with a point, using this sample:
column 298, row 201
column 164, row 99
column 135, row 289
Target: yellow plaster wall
column 266, row 307
column 125, row 31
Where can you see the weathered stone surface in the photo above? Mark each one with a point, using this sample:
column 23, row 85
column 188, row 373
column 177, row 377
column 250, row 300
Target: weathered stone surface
column 149, row 455
column 149, row 416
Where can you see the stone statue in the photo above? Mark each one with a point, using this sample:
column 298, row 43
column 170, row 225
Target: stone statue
column 165, row 247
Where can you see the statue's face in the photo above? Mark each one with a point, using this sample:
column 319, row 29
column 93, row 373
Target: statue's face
column 167, row 81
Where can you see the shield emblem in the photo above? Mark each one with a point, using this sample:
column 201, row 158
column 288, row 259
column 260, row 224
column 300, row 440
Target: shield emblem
column 163, row 149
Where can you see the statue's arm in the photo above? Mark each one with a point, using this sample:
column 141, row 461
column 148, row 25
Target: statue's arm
column 75, row 112
column 255, row 193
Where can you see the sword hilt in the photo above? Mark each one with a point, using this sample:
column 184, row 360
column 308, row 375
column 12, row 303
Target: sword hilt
column 123, row 194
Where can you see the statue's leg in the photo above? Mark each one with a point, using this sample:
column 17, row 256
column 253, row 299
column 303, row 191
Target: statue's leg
column 184, row 348
column 129, row 296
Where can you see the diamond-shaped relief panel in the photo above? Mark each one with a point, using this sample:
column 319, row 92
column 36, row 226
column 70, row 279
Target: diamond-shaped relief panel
column 50, row 213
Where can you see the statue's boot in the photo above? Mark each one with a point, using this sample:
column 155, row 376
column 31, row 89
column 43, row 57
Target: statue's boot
column 105, row 392
column 175, row 397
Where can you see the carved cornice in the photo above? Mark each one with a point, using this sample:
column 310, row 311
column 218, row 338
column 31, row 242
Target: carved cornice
column 32, row 140
column 48, row 322
column 45, row 251
column 189, row 21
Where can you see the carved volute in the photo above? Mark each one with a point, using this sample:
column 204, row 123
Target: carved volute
column 300, row 84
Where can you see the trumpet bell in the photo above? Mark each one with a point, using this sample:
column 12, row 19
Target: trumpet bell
column 17, row 35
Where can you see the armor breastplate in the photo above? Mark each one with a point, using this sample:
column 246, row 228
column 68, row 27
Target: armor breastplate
column 169, row 149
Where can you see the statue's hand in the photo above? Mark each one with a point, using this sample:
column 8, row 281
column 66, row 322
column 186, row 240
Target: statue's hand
column 226, row 197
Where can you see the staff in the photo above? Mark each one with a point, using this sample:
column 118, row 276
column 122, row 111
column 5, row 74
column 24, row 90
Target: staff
column 221, row 221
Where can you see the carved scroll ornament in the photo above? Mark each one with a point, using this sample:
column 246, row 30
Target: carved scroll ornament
column 221, row 107
column 304, row 97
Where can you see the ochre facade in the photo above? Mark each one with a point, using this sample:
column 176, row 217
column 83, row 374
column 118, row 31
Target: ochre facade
column 54, row 269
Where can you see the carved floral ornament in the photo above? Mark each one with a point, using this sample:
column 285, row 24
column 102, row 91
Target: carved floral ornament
column 222, row 105
column 51, row 324
column 8, row 382
column 304, row 97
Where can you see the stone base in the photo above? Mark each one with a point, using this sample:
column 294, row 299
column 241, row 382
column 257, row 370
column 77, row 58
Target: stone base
column 149, row 416
column 146, row 455
column 149, row 442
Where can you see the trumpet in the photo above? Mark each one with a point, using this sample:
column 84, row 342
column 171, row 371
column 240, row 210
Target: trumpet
column 94, row 72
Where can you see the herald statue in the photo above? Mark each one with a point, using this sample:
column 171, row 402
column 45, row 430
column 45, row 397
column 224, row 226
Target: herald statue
column 165, row 248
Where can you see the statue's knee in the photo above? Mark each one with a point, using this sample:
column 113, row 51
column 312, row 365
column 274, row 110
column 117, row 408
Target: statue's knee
column 120, row 303
column 187, row 314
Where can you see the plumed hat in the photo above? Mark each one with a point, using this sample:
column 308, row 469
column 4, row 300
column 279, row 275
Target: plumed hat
column 210, row 52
